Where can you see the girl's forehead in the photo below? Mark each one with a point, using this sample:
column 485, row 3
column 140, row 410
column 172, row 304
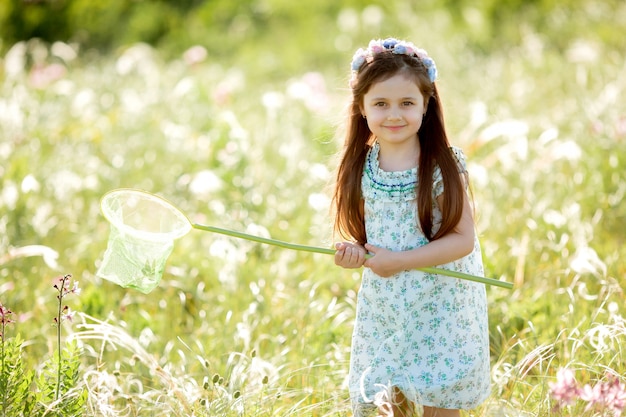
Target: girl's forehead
column 396, row 85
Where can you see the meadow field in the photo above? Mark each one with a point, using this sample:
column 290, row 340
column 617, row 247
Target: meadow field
column 237, row 328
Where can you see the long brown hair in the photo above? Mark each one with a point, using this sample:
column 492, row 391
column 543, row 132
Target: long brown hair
column 434, row 152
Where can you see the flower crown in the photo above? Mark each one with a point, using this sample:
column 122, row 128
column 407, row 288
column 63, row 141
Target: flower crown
column 376, row 46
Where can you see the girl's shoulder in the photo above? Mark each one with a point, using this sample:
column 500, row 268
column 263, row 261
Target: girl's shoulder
column 459, row 156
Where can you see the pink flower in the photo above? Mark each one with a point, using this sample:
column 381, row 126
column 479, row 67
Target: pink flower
column 5, row 315
column 5, row 318
column 376, row 48
column 43, row 75
column 195, row 55
column 75, row 289
column 68, row 314
column 564, row 390
column 608, row 395
column 593, row 395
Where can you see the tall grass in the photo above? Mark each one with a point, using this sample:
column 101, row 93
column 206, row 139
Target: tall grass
column 240, row 329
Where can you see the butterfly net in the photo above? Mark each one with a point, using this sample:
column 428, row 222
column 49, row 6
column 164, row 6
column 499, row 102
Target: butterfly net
column 143, row 230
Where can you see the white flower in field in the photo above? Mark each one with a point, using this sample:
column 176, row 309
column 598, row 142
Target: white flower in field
column 554, row 217
column 243, row 333
column 566, row 150
column 195, row 55
column 319, row 171
column 515, row 147
column 30, row 183
column 223, row 248
column 237, row 131
column 9, row 195
column 583, row 51
column 83, row 100
column 12, row 119
column 587, row 261
column 131, row 101
column 506, row 128
column 140, row 58
column 273, row 100
column 15, row 59
column 258, row 230
column 204, row 183
column 319, row 201
column 65, row 183
column 184, row 87
column 479, row 113
column 63, row 51
column 43, row 220
column 311, row 90
column 146, row 337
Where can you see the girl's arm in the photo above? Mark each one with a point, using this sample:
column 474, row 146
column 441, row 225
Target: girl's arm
column 456, row 244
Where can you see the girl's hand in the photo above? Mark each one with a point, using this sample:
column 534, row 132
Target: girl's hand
column 382, row 262
column 349, row 255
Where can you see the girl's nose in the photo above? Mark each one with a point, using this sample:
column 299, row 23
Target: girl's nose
column 394, row 115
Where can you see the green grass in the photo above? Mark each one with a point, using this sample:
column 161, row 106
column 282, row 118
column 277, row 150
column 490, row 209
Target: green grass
column 237, row 328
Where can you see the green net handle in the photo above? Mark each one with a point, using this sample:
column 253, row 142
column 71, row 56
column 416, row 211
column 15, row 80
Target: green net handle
column 327, row 251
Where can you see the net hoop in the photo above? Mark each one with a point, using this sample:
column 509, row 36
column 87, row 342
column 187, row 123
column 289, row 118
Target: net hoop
column 135, row 206
column 143, row 229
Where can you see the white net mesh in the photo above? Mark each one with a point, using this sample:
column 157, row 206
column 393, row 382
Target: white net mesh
column 143, row 229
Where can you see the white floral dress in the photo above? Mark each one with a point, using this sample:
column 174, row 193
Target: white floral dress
column 424, row 333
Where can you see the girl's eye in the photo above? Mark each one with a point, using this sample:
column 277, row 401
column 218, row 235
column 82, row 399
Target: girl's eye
column 379, row 104
column 407, row 103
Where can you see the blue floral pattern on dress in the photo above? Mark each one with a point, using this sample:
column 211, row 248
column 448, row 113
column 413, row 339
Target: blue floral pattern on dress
column 426, row 334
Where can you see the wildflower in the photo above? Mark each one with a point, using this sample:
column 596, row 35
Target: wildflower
column 195, row 55
column 5, row 315
column 5, row 318
column 64, row 286
column 593, row 395
column 565, row 390
column 66, row 314
column 75, row 289
column 608, row 395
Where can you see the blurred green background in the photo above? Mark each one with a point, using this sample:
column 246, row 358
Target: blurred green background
column 293, row 35
column 229, row 109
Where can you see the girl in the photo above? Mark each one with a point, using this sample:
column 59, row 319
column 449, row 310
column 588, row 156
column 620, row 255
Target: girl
column 401, row 195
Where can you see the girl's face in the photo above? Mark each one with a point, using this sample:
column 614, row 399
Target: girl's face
column 394, row 109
